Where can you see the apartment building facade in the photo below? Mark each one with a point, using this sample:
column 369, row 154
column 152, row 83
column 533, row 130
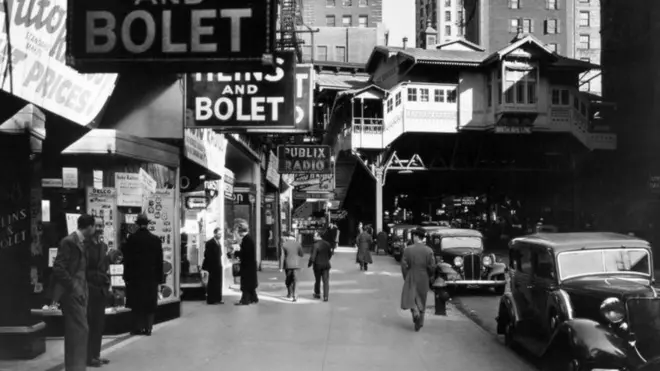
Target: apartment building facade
column 447, row 17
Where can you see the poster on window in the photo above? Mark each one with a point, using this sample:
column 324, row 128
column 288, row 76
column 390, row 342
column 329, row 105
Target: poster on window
column 160, row 211
column 102, row 203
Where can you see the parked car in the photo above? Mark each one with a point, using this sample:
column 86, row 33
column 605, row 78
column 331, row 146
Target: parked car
column 462, row 262
column 399, row 239
column 583, row 301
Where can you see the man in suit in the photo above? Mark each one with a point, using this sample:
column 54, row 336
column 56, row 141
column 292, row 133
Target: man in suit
column 320, row 260
column 292, row 251
column 69, row 272
column 213, row 265
column 248, row 256
column 143, row 274
column 98, row 283
column 417, row 267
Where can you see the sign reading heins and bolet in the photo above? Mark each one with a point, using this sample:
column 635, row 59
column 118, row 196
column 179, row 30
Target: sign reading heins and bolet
column 173, row 35
column 304, row 159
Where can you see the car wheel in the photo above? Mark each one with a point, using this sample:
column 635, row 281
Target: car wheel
column 509, row 333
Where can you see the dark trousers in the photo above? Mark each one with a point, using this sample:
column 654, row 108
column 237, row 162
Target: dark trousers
column 76, row 333
column 214, row 287
column 291, row 280
column 142, row 320
column 95, row 321
column 322, row 274
column 249, row 296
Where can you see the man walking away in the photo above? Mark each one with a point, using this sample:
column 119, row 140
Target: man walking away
column 98, row 282
column 292, row 251
column 320, row 260
column 143, row 273
column 69, row 272
column 213, row 265
column 417, row 267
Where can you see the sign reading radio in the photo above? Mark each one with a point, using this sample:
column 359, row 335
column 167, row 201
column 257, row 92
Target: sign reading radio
column 243, row 100
column 183, row 34
column 304, row 159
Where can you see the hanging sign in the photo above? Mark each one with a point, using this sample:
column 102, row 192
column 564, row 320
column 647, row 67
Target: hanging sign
column 197, row 202
column 102, row 203
column 182, row 36
column 251, row 101
column 314, row 182
column 228, row 181
column 304, row 159
column 272, row 173
column 129, row 189
column 304, row 96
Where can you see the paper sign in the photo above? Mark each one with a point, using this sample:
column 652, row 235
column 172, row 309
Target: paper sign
column 117, row 281
column 72, row 222
column 129, row 189
column 52, row 254
column 69, row 177
column 116, row 269
column 131, row 218
column 160, row 211
column 51, row 183
column 98, row 178
column 45, row 211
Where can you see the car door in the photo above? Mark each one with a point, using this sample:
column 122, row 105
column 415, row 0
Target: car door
column 543, row 285
column 521, row 279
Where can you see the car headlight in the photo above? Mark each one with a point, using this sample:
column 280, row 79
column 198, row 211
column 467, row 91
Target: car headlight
column 487, row 261
column 613, row 310
column 458, row 261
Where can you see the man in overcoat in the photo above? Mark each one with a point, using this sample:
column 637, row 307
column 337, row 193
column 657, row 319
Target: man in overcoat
column 248, row 257
column 70, row 288
column 143, row 274
column 98, row 282
column 213, row 265
column 417, row 267
column 292, row 251
column 320, row 261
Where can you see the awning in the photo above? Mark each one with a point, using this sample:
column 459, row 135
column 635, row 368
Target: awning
column 339, row 81
column 116, row 143
column 199, row 169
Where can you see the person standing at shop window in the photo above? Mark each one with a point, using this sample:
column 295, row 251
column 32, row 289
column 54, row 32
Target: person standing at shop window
column 69, row 272
column 213, row 265
column 320, row 261
column 292, row 251
column 248, row 263
column 143, row 273
column 98, row 282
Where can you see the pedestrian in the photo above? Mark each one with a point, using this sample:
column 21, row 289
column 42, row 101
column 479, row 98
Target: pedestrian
column 143, row 273
column 382, row 241
column 212, row 264
column 98, row 283
column 417, row 267
column 69, row 272
column 248, row 263
column 331, row 236
column 320, row 263
column 364, row 242
column 292, row 251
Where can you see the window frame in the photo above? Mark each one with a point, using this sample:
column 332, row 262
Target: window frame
column 366, row 21
column 452, row 95
column 447, row 30
column 554, row 30
column 346, row 3
column 330, row 3
column 321, row 47
column 397, row 97
column 520, row 90
column 350, row 20
column 412, row 94
column 530, row 25
column 514, row 4
column 439, row 96
column 581, row 43
column 512, row 28
column 424, row 95
column 587, row 20
column 447, row 15
column 330, row 17
column 337, row 48
column 552, row 4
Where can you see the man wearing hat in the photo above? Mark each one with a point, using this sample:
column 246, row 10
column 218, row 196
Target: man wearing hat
column 417, row 267
column 143, row 273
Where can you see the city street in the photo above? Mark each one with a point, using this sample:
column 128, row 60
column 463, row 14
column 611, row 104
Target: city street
column 361, row 327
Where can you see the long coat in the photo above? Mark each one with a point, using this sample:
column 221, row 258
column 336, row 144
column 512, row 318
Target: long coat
column 364, row 242
column 248, row 256
column 213, row 264
column 417, row 267
column 143, row 270
column 292, row 251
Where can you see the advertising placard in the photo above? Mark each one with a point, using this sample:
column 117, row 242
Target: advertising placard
column 160, row 211
column 306, row 195
column 102, row 203
column 272, row 172
column 69, row 177
column 129, row 189
column 33, row 62
column 228, row 181
column 314, row 182
column 304, row 96
column 304, row 159
column 252, row 101
column 179, row 36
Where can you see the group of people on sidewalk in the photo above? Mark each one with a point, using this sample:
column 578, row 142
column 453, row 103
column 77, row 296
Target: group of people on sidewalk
column 81, row 285
column 319, row 261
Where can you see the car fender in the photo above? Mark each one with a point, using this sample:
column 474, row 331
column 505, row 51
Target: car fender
column 497, row 269
column 446, row 270
column 507, row 307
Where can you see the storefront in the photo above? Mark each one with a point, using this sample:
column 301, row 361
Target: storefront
column 271, row 220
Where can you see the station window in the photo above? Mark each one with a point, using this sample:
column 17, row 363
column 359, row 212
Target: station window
column 439, row 96
column 390, row 104
column 560, row 97
column 520, row 86
column 412, row 95
column 451, row 96
column 398, row 99
column 489, row 89
column 423, row 95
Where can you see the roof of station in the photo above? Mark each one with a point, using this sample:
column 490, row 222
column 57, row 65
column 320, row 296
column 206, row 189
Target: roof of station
column 341, row 81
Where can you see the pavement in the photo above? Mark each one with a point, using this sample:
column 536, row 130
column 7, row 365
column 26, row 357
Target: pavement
column 360, row 328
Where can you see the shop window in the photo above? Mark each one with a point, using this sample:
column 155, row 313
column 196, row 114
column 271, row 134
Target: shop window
column 424, row 95
column 439, row 95
column 412, row 95
column 398, row 99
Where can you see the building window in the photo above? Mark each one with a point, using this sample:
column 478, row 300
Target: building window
column 448, row 16
column 330, row 21
column 514, row 4
column 347, row 21
column 460, row 17
column 584, row 19
column 412, row 95
column 521, row 86
column 528, row 26
column 585, row 42
column 390, row 105
column 447, row 30
column 322, row 53
column 552, row 47
column 514, row 24
column 551, row 26
column 363, row 20
column 363, row 3
column 439, row 96
column 451, row 96
column 448, row 3
column 461, row 31
column 398, row 99
column 560, row 97
column 347, row 3
column 340, row 53
column 551, row 4
column 330, row 3
column 423, row 95
column 307, row 52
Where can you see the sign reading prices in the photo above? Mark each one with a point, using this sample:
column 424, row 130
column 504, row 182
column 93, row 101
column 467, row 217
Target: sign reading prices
column 179, row 35
column 304, row 159
column 257, row 100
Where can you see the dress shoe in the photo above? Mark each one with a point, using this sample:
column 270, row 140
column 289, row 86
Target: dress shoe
column 137, row 332
column 325, row 299
column 147, row 332
column 241, row 303
column 94, row 363
column 104, row 361
column 221, row 302
column 317, row 296
column 295, row 299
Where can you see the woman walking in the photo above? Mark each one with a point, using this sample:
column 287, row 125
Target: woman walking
column 364, row 242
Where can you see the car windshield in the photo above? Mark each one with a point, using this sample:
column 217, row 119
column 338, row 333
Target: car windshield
column 611, row 261
column 461, row 242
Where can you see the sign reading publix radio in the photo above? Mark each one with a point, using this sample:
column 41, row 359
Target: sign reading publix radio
column 32, row 62
column 182, row 35
column 304, row 159
column 249, row 101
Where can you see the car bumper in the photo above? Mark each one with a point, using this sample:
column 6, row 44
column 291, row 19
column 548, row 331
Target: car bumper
column 475, row 283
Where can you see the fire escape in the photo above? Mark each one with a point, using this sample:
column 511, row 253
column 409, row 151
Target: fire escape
column 290, row 19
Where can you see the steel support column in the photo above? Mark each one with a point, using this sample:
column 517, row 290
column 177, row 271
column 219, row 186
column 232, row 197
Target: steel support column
column 379, row 198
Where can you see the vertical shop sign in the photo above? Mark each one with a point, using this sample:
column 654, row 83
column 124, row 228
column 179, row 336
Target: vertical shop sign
column 228, row 182
column 102, row 203
column 160, row 211
column 304, row 96
column 272, row 172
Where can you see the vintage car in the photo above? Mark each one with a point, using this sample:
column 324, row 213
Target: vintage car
column 399, row 239
column 462, row 262
column 582, row 301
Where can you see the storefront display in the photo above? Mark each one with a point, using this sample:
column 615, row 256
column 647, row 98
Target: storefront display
column 161, row 213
